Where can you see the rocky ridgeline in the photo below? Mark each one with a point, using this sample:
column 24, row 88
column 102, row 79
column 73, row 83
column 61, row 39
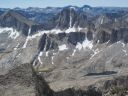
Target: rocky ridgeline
column 74, row 52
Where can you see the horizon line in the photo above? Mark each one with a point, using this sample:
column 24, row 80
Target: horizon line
column 63, row 7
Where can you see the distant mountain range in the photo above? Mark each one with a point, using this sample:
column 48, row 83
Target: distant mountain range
column 42, row 15
column 58, row 17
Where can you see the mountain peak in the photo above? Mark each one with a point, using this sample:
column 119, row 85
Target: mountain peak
column 15, row 20
column 15, row 15
column 87, row 6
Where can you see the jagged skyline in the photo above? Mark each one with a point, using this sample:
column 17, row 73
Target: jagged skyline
column 60, row 3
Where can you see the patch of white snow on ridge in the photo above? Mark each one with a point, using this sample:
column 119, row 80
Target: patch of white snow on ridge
column 52, row 60
column 73, row 7
column 85, row 44
column 47, row 54
column 125, row 51
column 40, row 54
column 74, row 51
column 123, row 44
column 70, row 23
column 102, row 20
column 56, row 31
column 63, row 47
column 3, row 30
column 12, row 32
column 34, row 63
column 17, row 46
column 27, row 39
column 79, row 46
column 95, row 53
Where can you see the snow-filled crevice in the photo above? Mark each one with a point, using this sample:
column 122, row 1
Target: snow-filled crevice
column 52, row 58
column 39, row 59
column 28, row 38
column 74, row 51
column 70, row 23
column 102, row 20
column 41, row 53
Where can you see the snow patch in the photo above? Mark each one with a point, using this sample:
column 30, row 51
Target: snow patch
column 17, row 46
column 86, row 44
column 74, row 51
column 108, row 42
column 102, row 20
column 19, row 54
column 40, row 54
column 63, row 47
column 79, row 46
column 123, row 44
column 34, row 63
column 13, row 34
column 72, row 7
column 47, row 54
column 95, row 52
column 70, row 23
column 27, row 39
column 125, row 51
column 56, row 31
column 52, row 60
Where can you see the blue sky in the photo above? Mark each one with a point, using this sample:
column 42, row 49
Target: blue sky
column 60, row 3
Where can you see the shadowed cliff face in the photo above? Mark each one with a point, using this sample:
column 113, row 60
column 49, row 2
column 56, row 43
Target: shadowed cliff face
column 112, row 36
column 46, row 43
column 66, row 18
column 52, row 41
column 69, row 17
column 74, row 38
column 15, row 20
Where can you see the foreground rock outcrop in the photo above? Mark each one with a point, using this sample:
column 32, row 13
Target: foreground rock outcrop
column 24, row 81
